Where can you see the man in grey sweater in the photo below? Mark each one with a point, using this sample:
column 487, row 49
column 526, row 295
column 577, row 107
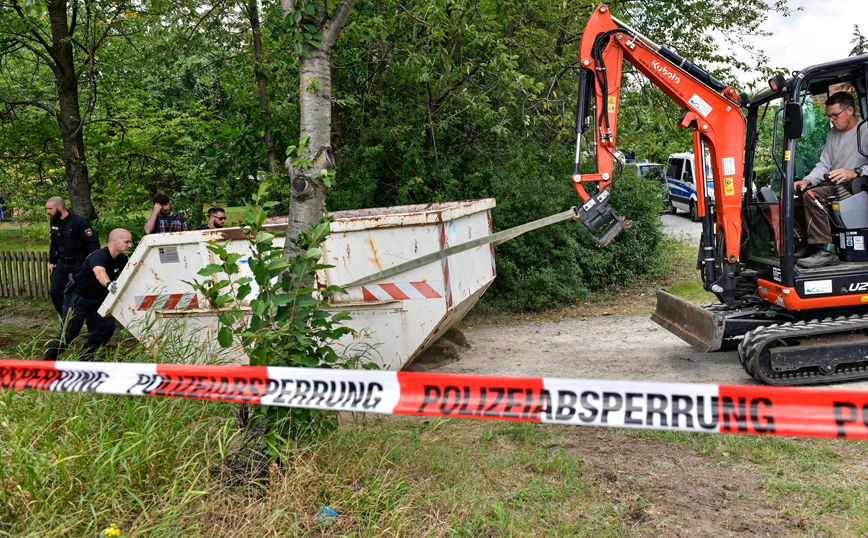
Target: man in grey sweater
column 842, row 161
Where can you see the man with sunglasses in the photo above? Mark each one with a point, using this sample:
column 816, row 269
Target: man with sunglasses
column 841, row 162
column 216, row 219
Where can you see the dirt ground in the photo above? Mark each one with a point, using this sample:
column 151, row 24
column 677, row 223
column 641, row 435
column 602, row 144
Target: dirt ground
column 665, row 490
column 662, row 488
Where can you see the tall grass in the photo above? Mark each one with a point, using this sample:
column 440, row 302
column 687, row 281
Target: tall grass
column 73, row 464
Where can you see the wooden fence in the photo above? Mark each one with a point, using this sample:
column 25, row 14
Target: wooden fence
column 24, row 274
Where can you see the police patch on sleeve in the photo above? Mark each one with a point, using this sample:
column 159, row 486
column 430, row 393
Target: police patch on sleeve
column 88, row 232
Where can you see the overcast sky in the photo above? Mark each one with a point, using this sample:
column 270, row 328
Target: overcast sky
column 821, row 32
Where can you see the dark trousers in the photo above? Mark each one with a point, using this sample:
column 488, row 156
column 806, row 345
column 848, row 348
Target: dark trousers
column 810, row 221
column 76, row 309
column 59, row 279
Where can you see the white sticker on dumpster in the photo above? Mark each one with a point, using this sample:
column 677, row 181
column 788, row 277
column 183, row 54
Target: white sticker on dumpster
column 169, row 255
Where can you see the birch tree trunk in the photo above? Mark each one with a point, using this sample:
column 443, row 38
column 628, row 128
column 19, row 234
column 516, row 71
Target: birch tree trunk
column 308, row 189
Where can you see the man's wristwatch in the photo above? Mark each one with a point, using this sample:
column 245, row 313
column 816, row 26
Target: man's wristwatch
column 858, row 171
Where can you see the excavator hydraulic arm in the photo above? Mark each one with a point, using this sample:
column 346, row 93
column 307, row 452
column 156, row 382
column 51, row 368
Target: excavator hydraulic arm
column 710, row 109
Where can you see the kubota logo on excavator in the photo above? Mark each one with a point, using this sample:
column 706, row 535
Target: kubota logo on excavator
column 665, row 72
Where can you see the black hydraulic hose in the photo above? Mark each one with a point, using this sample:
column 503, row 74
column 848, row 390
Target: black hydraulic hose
column 694, row 70
column 603, row 80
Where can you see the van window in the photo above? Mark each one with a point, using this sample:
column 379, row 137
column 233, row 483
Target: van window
column 688, row 174
column 674, row 169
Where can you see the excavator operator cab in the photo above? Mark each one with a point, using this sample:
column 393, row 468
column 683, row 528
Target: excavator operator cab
column 786, row 134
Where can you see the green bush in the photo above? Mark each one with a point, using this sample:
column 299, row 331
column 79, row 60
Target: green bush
column 764, row 176
column 546, row 268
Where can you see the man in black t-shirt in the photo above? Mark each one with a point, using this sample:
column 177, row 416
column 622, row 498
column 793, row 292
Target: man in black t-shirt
column 93, row 282
column 72, row 239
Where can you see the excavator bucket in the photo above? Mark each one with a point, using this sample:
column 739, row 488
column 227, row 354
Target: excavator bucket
column 699, row 327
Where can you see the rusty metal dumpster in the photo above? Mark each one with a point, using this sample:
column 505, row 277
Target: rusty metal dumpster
column 396, row 318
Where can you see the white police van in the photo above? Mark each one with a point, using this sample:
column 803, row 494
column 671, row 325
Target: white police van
column 680, row 177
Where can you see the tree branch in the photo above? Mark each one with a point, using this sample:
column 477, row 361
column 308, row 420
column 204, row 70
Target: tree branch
column 335, row 23
column 414, row 17
column 14, row 102
column 52, row 64
column 74, row 22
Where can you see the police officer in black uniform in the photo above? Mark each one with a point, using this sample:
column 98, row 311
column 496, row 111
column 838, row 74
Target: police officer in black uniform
column 92, row 284
column 72, row 239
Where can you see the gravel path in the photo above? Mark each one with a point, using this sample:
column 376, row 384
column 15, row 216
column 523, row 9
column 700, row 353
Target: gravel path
column 601, row 347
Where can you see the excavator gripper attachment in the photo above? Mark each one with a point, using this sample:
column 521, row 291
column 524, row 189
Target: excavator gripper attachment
column 597, row 214
column 699, row 327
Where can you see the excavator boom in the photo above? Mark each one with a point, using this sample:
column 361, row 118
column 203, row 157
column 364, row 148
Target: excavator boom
column 710, row 110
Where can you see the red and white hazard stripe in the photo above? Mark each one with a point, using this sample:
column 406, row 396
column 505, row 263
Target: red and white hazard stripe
column 402, row 291
column 620, row 404
column 167, row 301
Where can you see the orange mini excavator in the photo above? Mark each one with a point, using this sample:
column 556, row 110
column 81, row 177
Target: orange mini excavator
column 793, row 326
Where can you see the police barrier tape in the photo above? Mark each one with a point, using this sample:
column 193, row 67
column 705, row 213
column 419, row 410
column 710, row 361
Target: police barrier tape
column 626, row 404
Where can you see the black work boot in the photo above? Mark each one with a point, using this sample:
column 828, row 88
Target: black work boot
column 805, row 250
column 822, row 258
column 51, row 354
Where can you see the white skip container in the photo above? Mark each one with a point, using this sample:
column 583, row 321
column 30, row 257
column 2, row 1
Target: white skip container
column 396, row 318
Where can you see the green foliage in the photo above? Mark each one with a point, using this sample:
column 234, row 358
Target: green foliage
column 860, row 43
column 764, row 176
column 274, row 314
column 302, row 26
column 444, row 100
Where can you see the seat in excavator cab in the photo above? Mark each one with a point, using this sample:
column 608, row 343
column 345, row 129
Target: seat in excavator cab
column 849, row 218
column 850, row 206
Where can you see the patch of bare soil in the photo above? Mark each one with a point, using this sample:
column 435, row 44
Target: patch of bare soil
column 16, row 328
column 664, row 490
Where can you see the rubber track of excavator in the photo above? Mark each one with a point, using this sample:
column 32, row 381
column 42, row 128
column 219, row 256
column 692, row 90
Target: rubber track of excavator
column 757, row 341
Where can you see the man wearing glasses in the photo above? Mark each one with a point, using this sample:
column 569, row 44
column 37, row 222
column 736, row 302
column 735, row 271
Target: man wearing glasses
column 216, row 219
column 842, row 162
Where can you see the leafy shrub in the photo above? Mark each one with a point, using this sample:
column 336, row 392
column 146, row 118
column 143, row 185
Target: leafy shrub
column 764, row 176
column 286, row 324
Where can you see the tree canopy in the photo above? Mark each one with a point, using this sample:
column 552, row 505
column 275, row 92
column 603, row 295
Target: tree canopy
column 430, row 101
